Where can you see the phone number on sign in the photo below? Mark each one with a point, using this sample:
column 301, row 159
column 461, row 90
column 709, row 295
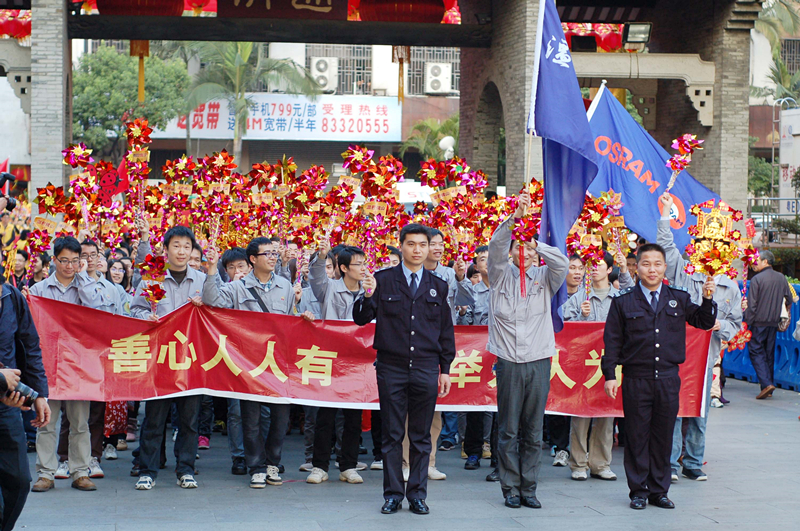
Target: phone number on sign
column 353, row 125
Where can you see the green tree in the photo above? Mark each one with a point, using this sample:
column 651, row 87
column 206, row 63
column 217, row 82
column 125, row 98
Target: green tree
column 778, row 18
column 786, row 84
column 105, row 88
column 426, row 134
column 232, row 69
column 759, row 174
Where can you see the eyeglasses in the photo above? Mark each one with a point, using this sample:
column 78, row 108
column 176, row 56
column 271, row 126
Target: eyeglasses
column 91, row 256
column 75, row 262
column 269, row 254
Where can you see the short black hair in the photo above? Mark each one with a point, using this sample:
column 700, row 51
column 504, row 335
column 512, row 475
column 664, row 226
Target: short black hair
column 631, row 255
column 179, row 231
column 479, row 250
column 414, row 228
column 614, row 275
column 576, row 257
column 66, row 243
column 23, row 235
column 337, row 249
column 434, row 232
column 254, row 247
column 608, row 259
column 196, row 247
column 472, row 270
column 274, row 239
column 234, row 254
column 395, row 251
column 24, row 253
column 45, row 258
column 650, row 247
column 124, row 250
column 346, row 255
column 90, row 243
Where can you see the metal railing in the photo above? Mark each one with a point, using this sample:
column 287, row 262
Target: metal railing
column 769, row 211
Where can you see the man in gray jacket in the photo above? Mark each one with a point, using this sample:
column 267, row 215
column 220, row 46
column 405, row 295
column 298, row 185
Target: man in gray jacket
column 769, row 290
column 183, row 285
column 521, row 335
column 260, row 291
column 729, row 320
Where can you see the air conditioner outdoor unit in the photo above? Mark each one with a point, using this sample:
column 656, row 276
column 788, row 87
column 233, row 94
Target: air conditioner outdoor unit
column 438, row 78
column 325, row 71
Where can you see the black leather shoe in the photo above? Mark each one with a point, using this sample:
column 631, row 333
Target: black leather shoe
column 238, row 468
column 532, row 502
column 662, row 501
column 418, row 507
column 638, row 503
column 494, row 475
column 512, row 502
column 391, row 506
column 281, row 469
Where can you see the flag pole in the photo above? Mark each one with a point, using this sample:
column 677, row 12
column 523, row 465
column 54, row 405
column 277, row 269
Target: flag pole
column 528, row 162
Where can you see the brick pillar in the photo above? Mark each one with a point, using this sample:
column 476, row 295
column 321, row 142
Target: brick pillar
column 503, row 70
column 51, row 105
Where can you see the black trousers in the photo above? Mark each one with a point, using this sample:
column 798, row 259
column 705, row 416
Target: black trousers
column 15, row 476
column 406, row 393
column 651, row 407
column 376, row 429
column 473, row 435
column 323, row 435
column 762, row 353
column 558, row 431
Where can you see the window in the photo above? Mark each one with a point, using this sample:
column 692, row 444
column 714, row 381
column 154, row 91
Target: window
column 426, row 54
column 355, row 65
column 790, row 53
column 120, row 46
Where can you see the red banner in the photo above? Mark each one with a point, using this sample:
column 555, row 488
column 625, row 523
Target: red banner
column 91, row 355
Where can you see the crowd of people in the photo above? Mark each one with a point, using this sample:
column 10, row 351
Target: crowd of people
column 645, row 298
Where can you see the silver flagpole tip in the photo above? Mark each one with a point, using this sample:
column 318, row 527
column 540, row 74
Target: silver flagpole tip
column 604, row 82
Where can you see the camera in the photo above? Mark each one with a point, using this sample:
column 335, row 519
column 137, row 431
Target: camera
column 29, row 394
column 5, row 177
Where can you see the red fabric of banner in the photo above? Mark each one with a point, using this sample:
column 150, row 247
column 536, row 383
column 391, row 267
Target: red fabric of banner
column 91, row 355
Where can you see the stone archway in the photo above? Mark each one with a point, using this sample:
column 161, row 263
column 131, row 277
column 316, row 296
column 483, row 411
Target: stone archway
column 486, row 133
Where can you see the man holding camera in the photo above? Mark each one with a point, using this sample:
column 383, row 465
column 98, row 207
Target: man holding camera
column 23, row 385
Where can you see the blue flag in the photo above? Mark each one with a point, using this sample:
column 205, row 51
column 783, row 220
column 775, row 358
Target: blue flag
column 559, row 117
column 633, row 164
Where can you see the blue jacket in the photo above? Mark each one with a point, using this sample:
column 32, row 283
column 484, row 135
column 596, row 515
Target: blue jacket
column 22, row 351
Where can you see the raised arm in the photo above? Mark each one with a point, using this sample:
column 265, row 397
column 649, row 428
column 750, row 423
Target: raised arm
column 499, row 247
column 675, row 264
column 214, row 293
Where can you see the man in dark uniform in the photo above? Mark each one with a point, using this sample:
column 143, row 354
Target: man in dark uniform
column 646, row 334
column 416, row 345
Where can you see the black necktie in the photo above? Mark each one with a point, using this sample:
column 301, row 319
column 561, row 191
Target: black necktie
column 413, row 284
column 654, row 300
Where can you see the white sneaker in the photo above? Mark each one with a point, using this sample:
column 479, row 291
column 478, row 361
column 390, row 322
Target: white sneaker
column 376, row 465
column 606, row 474
column 94, row 469
column 350, row 475
column 579, row 475
column 406, row 472
column 187, row 481
column 361, row 466
column 552, row 451
column 435, row 474
column 273, row 478
column 174, row 434
column 306, row 467
column 145, row 483
column 317, row 475
column 258, row 481
column 110, row 453
column 715, row 402
column 561, row 458
column 674, row 478
column 62, row 472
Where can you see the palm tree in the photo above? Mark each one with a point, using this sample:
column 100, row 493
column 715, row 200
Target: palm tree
column 426, row 134
column 777, row 19
column 232, row 69
column 787, row 85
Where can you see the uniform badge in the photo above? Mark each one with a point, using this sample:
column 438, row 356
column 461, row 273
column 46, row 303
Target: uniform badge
column 283, row 298
column 673, row 304
column 433, row 293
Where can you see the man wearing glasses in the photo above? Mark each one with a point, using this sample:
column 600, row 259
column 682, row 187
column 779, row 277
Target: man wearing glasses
column 336, row 298
column 260, row 291
column 70, row 283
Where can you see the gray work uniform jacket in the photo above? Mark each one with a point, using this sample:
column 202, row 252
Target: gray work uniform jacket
column 599, row 307
column 279, row 298
column 177, row 294
column 455, row 289
column 309, row 303
column 83, row 291
column 478, row 313
column 521, row 330
column 335, row 300
column 113, row 303
column 728, row 297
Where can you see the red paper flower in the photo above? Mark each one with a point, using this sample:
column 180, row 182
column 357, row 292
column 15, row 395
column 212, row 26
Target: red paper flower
column 153, row 268
column 357, row 158
column 138, row 132
column 77, row 155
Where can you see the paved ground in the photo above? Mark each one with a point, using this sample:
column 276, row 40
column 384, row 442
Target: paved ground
column 752, row 456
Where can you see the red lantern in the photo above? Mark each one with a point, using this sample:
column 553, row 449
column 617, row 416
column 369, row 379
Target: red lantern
column 429, row 11
column 165, row 8
column 198, row 6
